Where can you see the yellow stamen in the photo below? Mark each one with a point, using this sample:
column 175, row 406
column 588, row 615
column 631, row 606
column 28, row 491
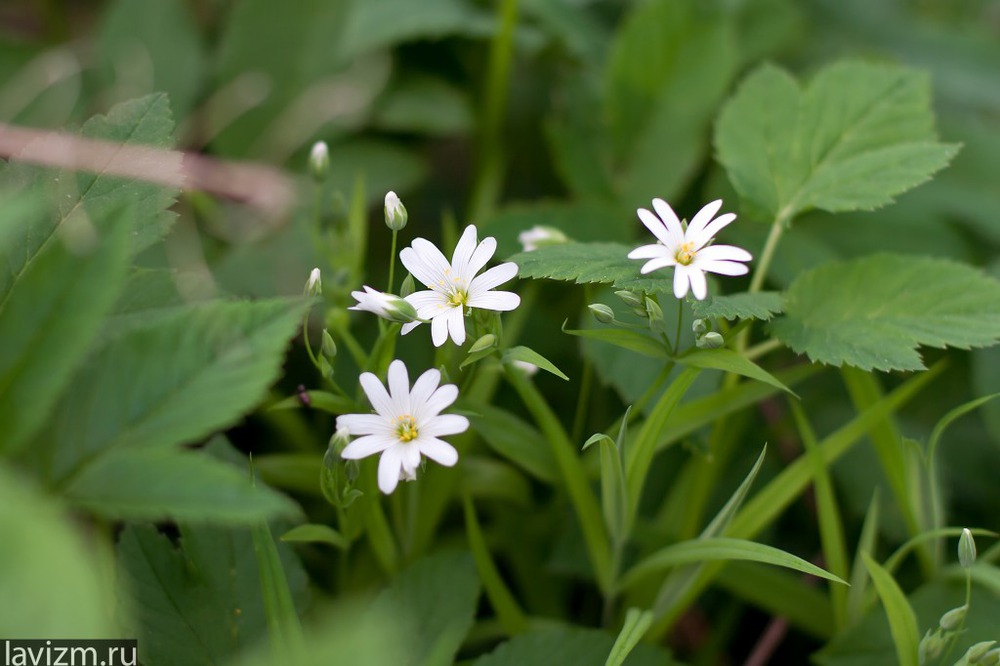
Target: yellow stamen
column 685, row 253
column 406, row 428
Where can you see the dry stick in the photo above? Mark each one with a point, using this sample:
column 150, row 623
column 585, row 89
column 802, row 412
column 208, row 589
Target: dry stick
column 256, row 185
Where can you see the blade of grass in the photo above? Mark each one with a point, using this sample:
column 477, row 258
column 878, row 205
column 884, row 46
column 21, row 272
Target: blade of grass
column 636, row 623
column 902, row 619
column 857, row 605
column 283, row 627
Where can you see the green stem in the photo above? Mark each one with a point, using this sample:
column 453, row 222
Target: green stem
column 767, row 254
column 762, row 349
column 680, row 318
column 305, row 338
column 392, row 260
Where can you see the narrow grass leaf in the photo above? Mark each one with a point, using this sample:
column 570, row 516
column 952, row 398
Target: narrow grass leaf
column 508, row 611
column 637, row 621
column 626, row 339
column 856, row 599
column 902, row 620
column 728, row 360
column 527, row 355
column 313, row 533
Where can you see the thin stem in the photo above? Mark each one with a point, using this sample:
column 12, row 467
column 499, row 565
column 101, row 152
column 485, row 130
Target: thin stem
column 767, row 254
column 392, row 260
column 762, row 349
column 680, row 318
column 305, row 338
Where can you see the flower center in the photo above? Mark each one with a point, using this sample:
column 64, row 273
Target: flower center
column 406, row 428
column 685, row 253
column 458, row 297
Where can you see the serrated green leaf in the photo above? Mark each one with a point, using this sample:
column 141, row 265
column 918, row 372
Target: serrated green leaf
column 583, row 263
column 719, row 548
column 624, row 338
column 170, row 484
column 728, row 360
column 188, row 373
column 50, row 316
column 855, row 137
column 873, row 313
column 313, row 533
column 760, row 305
column 527, row 355
column 199, row 601
column 902, row 620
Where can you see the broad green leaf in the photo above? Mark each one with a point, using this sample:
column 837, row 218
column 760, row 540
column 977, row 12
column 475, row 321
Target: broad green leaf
column 159, row 484
column 509, row 613
column 438, row 594
column 199, row 599
column 624, row 338
column 636, row 623
column 759, row 305
column 527, row 355
column 855, row 137
column 583, row 263
column 53, row 571
column 313, row 533
column 49, row 318
column 568, row 645
column 515, row 440
column 189, row 373
column 728, row 360
column 719, row 548
column 902, row 620
column 873, row 313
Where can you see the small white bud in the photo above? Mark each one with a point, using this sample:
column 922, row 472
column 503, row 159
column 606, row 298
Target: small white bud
column 319, row 160
column 388, row 306
column 602, row 313
column 953, row 618
column 395, row 212
column 966, row 549
column 541, row 236
column 314, row 285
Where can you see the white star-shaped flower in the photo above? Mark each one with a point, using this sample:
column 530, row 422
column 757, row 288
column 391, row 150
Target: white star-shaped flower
column 689, row 250
column 388, row 306
column 454, row 287
column 406, row 424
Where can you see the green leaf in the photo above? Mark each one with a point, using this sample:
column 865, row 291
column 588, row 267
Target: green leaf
column 858, row 135
column 760, row 305
column 527, row 355
column 873, row 313
column 515, row 440
column 324, row 401
column 171, row 484
column 568, row 645
column 439, row 594
column 424, row 105
column 189, row 373
column 49, row 316
column 313, row 533
column 589, row 263
column 719, row 548
column 509, row 613
column 199, row 600
column 624, row 338
column 283, row 627
column 728, row 360
column 636, row 623
column 902, row 620
column 859, row 573
column 55, row 572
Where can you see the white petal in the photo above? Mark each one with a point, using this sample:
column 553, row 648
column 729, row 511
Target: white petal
column 724, row 253
column 656, row 227
column 649, row 252
column 377, row 394
column 654, row 264
column 723, row 267
column 411, row 458
column 426, row 262
column 439, row 328
column 484, row 252
column 463, row 253
column 409, row 327
column 440, row 400
column 365, row 446
column 456, row 324
column 699, row 287
column 439, row 451
column 364, row 424
column 423, row 389
column 714, row 227
column 399, row 387
column 681, row 282
column 499, row 301
column 670, row 220
column 444, row 424
column 389, row 466
column 702, row 218
column 494, row 277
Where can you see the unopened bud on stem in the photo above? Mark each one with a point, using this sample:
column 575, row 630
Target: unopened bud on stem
column 319, row 161
column 395, row 212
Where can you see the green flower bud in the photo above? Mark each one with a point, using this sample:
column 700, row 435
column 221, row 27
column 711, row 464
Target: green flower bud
column 654, row 311
column 630, row 298
column 408, row 286
column 485, row 342
column 977, row 652
column 710, row 340
column 314, row 285
column 991, row 658
column 319, row 161
column 602, row 313
column 966, row 549
column 931, row 646
column 699, row 327
column 329, row 346
column 953, row 618
column 395, row 212
column 325, row 368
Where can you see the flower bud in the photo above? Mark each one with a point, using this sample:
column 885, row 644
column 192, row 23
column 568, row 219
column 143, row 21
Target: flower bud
column 319, row 161
column 314, row 285
column 338, row 440
column 602, row 313
column 710, row 340
column 408, row 286
column 653, row 311
column 395, row 212
column 388, row 306
column 991, row 658
column 541, row 236
column 699, row 327
column 931, row 646
column 977, row 652
column 966, row 549
column 483, row 343
column 630, row 298
column 953, row 618
column 325, row 368
column 329, row 346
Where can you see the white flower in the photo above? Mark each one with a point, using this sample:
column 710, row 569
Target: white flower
column 689, row 250
column 540, row 236
column 314, row 285
column 395, row 212
column 454, row 287
column 388, row 306
column 406, row 425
